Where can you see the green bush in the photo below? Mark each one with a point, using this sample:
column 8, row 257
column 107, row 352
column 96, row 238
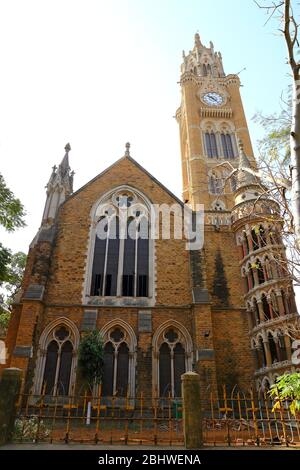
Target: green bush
column 28, row 428
column 90, row 358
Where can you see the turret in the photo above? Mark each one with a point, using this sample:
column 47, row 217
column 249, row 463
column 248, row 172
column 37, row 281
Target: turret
column 59, row 187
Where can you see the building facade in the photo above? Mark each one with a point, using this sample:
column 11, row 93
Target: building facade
column 222, row 309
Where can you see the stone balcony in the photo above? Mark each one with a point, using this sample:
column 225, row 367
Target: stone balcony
column 275, row 366
column 275, row 321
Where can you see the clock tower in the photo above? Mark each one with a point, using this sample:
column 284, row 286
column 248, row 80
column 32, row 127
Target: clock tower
column 211, row 120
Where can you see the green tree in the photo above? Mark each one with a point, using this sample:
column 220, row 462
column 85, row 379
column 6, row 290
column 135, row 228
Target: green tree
column 90, row 357
column 287, row 387
column 15, row 271
column 274, row 147
column 11, row 217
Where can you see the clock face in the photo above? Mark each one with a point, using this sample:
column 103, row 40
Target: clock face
column 212, row 99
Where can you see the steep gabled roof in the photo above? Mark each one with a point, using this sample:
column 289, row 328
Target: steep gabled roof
column 134, row 162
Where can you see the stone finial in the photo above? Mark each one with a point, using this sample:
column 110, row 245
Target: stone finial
column 127, row 149
column 67, row 148
column 197, row 39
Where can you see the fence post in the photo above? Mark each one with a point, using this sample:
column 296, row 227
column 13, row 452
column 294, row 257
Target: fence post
column 10, row 384
column 192, row 417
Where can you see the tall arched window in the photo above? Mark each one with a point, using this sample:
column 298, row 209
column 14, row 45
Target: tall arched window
column 251, row 277
column 256, row 311
column 216, row 184
column 211, row 145
column 262, row 236
column 261, row 354
column 58, row 363
column 254, row 238
column 274, row 303
column 266, row 307
column 282, row 347
column 171, row 365
column 227, row 146
column 172, row 357
column 118, row 367
column 122, row 248
column 273, row 349
column 260, row 272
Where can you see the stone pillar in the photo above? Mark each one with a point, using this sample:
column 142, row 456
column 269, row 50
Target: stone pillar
column 288, row 347
column 192, row 418
column 280, row 303
column 10, row 385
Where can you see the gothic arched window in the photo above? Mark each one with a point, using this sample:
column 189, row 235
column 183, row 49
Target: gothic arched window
column 58, row 363
column 118, row 364
column 273, row 349
column 254, row 238
column 266, row 307
column 211, row 145
column 227, row 146
column 260, row 272
column 171, row 364
column 261, row 354
column 121, row 251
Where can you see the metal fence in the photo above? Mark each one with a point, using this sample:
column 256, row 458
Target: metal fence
column 244, row 419
column 234, row 419
column 96, row 419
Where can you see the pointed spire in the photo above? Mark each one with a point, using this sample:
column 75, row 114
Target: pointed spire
column 246, row 175
column 198, row 40
column 127, row 150
column 64, row 166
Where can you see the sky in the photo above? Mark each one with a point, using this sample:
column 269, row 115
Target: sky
column 100, row 73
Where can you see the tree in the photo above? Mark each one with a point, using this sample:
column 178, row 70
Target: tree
column 289, row 30
column 90, row 358
column 15, row 271
column 287, row 387
column 11, row 217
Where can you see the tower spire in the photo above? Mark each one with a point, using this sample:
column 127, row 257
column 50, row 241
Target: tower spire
column 246, row 175
column 59, row 187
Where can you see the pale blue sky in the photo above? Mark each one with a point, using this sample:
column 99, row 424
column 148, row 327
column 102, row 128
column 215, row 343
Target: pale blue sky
column 99, row 73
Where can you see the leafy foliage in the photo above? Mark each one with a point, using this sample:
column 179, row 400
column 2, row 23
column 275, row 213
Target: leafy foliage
column 5, row 257
column 287, row 387
column 30, row 429
column 11, row 210
column 14, row 275
column 11, row 217
column 91, row 357
column 275, row 145
column 4, row 320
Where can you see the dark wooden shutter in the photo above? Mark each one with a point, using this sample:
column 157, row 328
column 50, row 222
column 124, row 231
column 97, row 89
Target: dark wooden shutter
column 122, row 370
column 50, row 367
column 164, row 370
column 63, row 382
column 108, row 370
column 179, row 368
